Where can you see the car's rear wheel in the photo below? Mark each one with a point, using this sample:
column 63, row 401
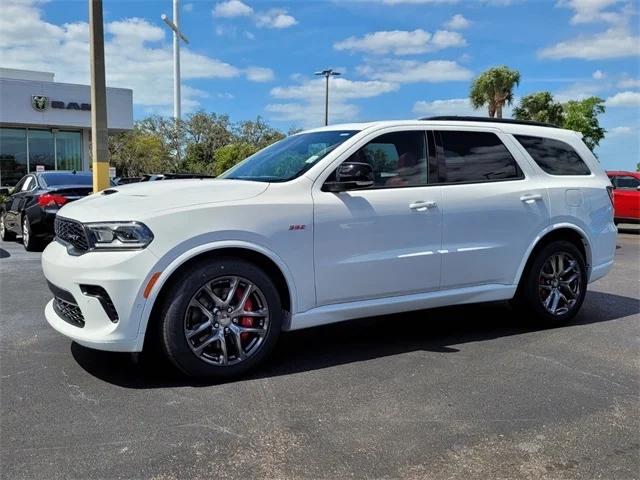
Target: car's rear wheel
column 5, row 234
column 220, row 318
column 30, row 242
column 553, row 288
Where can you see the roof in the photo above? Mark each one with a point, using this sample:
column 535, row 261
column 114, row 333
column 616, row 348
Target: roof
column 506, row 126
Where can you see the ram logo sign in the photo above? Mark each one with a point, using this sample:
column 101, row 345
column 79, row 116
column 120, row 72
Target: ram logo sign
column 40, row 103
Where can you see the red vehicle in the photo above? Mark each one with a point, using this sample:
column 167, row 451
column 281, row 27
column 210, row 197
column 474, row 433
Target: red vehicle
column 626, row 196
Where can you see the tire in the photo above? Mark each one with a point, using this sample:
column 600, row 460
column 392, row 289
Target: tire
column 190, row 307
column 541, row 277
column 5, row 234
column 30, row 242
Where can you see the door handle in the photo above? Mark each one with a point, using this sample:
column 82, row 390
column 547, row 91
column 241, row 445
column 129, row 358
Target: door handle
column 422, row 206
column 531, row 197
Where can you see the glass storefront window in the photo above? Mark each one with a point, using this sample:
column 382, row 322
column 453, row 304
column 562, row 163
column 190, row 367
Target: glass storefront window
column 69, row 150
column 23, row 149
column 41, row 151
column 13, row 155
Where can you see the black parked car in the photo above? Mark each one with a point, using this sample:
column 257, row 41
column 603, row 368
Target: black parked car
column 34, row 202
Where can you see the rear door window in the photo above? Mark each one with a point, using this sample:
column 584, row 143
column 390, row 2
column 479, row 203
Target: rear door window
column 471, row 157
column 553, row 156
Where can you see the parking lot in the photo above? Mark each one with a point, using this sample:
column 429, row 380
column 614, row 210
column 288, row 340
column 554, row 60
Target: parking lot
column 465, row 392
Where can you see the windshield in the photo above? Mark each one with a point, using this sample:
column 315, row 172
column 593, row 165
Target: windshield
column 289, row 158
column 58, row 178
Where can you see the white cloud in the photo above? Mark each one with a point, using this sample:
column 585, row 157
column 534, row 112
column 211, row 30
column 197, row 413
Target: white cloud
column 629, row 83
column 411, row 71
column 398, row 2
column 307, row 106
column 275, row 18
column 259, row 74
column 589, row 11
column 232, row 8
column 453, row 106
column 622, row 131
column 188, row 7
column 137, row 55
column 340, row 89
column 615, row 42
column 624, row 99
column 598, row 75
column 457, row 22
column 401, row 42
column 498, row 3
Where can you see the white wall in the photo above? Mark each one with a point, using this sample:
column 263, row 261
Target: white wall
column 16, row 109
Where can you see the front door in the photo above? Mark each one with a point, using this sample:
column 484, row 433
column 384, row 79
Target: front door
column 382, row 241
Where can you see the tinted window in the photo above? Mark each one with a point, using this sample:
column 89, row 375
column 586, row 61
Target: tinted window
column 627, row 182
column 56, row 179
column 553, row 156
column 476, row 157
column 399, row 159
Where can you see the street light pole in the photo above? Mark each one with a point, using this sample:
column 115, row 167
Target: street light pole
column 99, row 132
column 326, row 74
column 177, row 36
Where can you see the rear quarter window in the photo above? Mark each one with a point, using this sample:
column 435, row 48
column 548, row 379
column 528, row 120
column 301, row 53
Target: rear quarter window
column 554, row 156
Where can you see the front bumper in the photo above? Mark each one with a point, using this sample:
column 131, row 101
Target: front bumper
column 121, row 274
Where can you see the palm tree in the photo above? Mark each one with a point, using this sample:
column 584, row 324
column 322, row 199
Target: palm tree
column 494, row 88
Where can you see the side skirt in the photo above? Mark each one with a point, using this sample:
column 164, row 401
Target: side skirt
column 384, row 306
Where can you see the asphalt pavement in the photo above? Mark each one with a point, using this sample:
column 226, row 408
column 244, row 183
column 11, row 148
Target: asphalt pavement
column 461, row 393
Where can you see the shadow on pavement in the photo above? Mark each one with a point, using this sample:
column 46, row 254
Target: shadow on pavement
column 4, row 253
column 437, row 330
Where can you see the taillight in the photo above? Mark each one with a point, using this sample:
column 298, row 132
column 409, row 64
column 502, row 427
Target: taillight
column 51, row 199
column 610, row 192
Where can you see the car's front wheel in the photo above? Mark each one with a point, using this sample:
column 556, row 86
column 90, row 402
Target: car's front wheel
column 554, row 286
column 220, row 318
column 5, row 234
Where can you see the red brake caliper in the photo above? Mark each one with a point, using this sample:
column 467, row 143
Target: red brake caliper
column 246, row 322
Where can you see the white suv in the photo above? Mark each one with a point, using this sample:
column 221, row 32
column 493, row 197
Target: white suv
column 328, row 225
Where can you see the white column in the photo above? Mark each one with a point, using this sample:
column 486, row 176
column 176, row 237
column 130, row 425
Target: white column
column 176, row 62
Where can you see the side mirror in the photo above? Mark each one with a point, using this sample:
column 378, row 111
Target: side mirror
column 350, row 176
column 6, row 191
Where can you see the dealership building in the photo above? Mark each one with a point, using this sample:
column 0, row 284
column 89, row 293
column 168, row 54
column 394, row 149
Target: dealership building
column 46, row 125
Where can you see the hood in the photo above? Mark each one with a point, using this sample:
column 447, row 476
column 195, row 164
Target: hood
column 137, row 201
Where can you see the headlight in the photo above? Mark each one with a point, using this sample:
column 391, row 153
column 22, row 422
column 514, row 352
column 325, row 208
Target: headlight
column 118, row 235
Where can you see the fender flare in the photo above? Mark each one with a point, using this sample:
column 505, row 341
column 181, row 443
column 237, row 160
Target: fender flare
column 169, row 266
column 550, row 229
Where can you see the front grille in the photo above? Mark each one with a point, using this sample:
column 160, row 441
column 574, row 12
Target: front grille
column 69, row 312
column 71, row 232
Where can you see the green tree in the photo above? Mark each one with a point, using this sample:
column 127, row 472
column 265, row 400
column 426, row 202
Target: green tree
column 539, row 107
column 206, row 133
column 494, row 89
column 137, row 152
column 229, row 155
column 257, row 133
column 173, row 135
column 582, row 116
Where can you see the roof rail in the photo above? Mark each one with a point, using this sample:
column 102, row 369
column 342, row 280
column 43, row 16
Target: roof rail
column 490, row 120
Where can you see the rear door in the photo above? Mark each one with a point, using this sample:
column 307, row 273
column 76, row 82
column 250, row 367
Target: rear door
column 493, row 207
column 16, row 203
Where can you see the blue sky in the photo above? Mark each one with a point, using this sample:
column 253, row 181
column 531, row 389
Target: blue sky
column 399, row 58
